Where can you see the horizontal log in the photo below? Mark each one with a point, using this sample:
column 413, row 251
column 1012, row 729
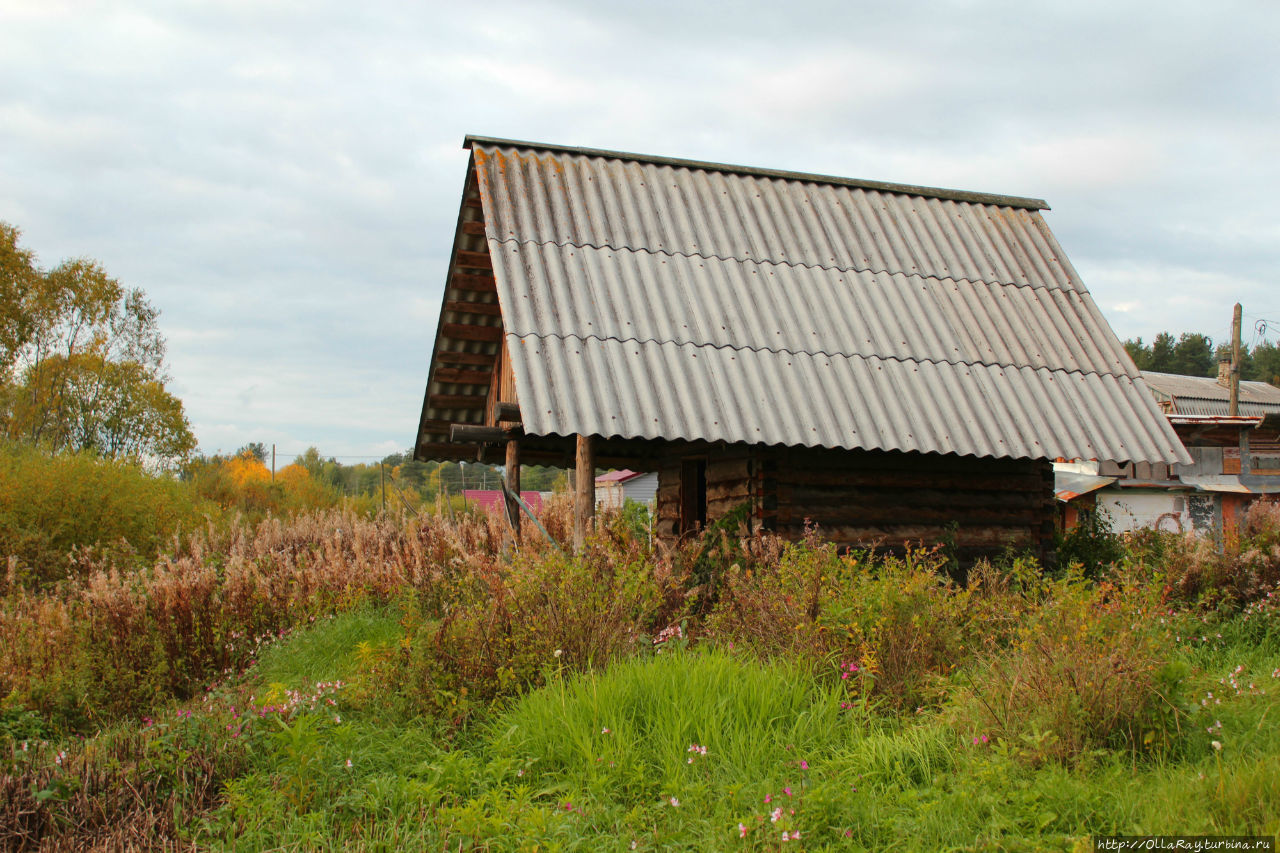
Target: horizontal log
column 473, row 260
column 907, row 514
column 437, row 425
column 467, row 332
column 474, row 228
column 936, row 498
column 490, row 309
column 896, row 534
column 457, row 401
column 1025, row 482
column 880, row 460
column 721, row 491
column 476, row 434
column 446, row 357
column 473, row 283
column 509, row 412
column 728, row 469
column 473, row 201
column 469, row 377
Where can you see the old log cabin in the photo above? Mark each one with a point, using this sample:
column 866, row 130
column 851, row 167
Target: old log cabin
column 887, row 362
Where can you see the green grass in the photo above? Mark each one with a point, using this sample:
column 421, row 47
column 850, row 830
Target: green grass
column 591, row 762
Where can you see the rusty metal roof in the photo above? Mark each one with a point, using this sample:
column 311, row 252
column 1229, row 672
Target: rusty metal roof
column 1200, row 395
column 655, row 298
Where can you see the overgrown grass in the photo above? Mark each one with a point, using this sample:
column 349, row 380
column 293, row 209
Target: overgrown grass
column 340, row 682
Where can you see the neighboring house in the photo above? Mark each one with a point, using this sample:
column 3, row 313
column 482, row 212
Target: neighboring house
column 888, row 362
column 1234, row 461
column 1198, row 395
column 492, row 501
column 617, row 487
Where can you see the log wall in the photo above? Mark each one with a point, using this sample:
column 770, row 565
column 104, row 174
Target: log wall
column 876, row 498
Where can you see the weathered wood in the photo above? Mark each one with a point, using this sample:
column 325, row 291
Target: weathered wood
column 867, row 535
column 456, row 401
column 513, row 488
column 473, row 283
column 477, row 434
column 473, row 260
column 907, row 498
column 507, row 412
column 584, row 493
column 485, row 358
column 728, row 469
column 467, row 332
column 436, row 426
column 488, row 309
column 475, row 229
column 1022, row 482
column 473, row 201
column 468, row 377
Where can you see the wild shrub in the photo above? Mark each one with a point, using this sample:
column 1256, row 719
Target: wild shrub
column 898, row 618
column 546, row 609
column 1087, row 671
column 54, row 504
column 1091, row 545
column 120, row 642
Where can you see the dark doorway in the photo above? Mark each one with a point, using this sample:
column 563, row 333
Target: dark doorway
column 693, row 495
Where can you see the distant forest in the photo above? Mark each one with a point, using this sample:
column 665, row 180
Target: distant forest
column 1193, row 354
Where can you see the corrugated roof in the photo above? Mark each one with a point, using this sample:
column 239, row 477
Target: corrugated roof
column 652, row 298
column 1200, row 395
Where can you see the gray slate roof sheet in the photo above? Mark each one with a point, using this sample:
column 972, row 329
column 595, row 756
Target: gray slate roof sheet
column 669, row 300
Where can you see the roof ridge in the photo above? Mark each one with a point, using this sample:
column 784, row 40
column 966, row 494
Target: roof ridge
column 470, row 141
column 817, row 354
column 568, row 244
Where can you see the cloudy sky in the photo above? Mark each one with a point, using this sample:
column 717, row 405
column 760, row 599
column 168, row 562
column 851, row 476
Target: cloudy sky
column 282, row 178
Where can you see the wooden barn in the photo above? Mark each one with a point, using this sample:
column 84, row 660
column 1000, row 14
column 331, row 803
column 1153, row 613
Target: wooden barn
column 887, row 362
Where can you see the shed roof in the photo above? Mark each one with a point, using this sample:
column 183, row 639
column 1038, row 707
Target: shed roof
column 1199, row 395
column 646, row 297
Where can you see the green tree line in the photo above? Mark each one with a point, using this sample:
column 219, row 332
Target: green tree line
column 1193, row 354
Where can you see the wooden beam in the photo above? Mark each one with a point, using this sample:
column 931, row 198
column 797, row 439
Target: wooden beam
column 475, row 433
column 513, row 488
column 492, row 309
column 436, row 426
column 475, row 229
column 473, row 260
column 457, row 401
column 472, row 377
column 473, row 283
column 484, row 358
column 473, row 201
column 466, row 332
column 584, row 493
column 508, row 412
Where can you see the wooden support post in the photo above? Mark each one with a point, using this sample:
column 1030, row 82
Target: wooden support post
column 1233, row 403
column 584, row 494
column 513, row 488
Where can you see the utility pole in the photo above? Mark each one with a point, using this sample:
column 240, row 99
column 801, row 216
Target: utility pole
column 273, row 463
column 1233, row 407
column 382, row 480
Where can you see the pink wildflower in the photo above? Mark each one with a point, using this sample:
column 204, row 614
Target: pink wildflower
column 775, row 815
column 742, row 830
column 675, row 802
column 768, row 798
column 787, row 790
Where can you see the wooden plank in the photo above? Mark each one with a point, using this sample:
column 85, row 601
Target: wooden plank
column 436, row 426
column 847, row 513
column 473, row 260
column 584, row 493
column 474, row 228
column 471, row 377
column 474, row 283
column 466, row 332
column 456, row 401
column 490, row 309
column 940, row 498
column 728, row 469
column 465, row 357
column 473, row 201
